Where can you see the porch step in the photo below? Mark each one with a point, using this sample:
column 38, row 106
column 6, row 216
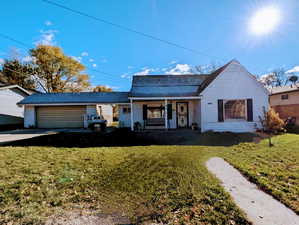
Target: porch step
column 154, row 127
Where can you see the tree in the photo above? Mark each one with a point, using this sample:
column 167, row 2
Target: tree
column 272, row 123
column 293, row 79
column 102, row 88
column 15, row 72
column 206, row 69
column 275, row 78
column 58, row 72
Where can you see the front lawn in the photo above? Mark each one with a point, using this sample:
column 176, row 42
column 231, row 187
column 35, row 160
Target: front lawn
column 169, row 184
column 275, row 170
column 163, row 183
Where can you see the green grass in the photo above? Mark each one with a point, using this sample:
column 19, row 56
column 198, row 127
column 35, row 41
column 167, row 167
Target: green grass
column 275, row 170
column 165, row 183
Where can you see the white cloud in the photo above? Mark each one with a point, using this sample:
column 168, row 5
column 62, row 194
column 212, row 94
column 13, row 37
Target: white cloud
column 91, row 60
column 78, row 58
column 27, row 59
column 94, row 65
column 173, row 62
column 47, row 37
column 145, row 71
column 48, row 23
column 180, row 69
column 84, row 54
column 1, row 61
column 126, row 75
column 294, row 70
column 267, row 79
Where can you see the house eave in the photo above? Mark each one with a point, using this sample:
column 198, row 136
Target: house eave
column 165, row 98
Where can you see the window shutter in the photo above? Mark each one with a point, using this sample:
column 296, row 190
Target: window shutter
column 249, row 110
column 220, row 110
column 144, row 112
column 169, row 111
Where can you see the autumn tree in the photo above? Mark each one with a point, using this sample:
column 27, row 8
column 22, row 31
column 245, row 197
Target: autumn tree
column 58, row 72
column 102, row 88
column 15, row 72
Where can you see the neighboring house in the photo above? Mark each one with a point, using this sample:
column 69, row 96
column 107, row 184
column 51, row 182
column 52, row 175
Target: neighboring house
column 285, row 101
column 11, row 114
column 69, row 110
column 229, row 99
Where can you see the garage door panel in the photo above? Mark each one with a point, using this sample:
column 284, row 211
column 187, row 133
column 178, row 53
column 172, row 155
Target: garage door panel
column 61, row 116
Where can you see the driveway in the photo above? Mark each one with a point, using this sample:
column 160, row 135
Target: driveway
column 15, row 135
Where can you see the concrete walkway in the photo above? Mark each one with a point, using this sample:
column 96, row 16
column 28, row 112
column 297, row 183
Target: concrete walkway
column 261, row 208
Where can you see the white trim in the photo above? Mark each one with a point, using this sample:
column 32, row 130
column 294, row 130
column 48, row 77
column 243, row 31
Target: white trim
column 164, row 98
column 132, row 118
column 16, row 86
column 58, row 104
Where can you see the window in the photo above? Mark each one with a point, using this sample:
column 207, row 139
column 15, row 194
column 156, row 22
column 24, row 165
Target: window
column 235, row 110
column 155, row 112
column 126, row 110
column 284, row 97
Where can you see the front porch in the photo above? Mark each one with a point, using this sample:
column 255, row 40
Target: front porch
column 166, row 113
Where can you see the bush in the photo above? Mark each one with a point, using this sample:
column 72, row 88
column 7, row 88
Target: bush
column 271, row 122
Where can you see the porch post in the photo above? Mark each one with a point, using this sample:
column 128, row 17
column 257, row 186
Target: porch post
column 132, row 116
column 166, row 115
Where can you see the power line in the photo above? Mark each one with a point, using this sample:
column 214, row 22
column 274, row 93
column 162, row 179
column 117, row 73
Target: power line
column 107, row 75
column 126, row 28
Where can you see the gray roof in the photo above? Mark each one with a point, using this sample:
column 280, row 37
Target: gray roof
column 73, row 98
column 167, row 85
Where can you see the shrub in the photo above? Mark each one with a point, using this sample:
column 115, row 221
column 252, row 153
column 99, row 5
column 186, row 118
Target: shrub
column 271, row 122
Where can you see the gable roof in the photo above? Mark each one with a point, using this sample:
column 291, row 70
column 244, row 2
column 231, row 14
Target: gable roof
column 283, row 89
column 76, row 98
column 166, row 85
column 213, row 76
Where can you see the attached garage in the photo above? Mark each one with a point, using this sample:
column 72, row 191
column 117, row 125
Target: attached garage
column 60, row 116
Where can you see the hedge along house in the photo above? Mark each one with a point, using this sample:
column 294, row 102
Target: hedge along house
column 229, row 99
column 69, row 110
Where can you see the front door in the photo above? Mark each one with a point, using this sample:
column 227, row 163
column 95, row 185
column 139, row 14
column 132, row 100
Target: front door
column 182, row 114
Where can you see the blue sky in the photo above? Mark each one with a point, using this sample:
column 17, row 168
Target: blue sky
column 219, row 29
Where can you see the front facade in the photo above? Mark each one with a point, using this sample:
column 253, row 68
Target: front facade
column 285, row 101
column 229, row 99
column 10, row 113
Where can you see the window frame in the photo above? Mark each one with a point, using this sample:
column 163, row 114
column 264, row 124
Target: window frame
column 162, row 112
column 282, row 97
column 235, row 120
column 126, row 110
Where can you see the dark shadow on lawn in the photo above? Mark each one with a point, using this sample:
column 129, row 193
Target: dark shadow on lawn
column 124, row 137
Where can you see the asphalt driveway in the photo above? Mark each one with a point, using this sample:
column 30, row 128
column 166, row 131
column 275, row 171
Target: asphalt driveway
column 15, row 135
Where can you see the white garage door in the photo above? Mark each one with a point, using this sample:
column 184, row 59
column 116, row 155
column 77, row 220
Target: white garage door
column 60, row 116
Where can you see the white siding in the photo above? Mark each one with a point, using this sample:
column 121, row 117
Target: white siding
column 8, row 102
column 233, row 83
column 107, row 112
column 124, row 118
column 30, row 116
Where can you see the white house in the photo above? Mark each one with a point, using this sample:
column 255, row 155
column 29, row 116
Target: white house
column 229, row 99
column 10, row 113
